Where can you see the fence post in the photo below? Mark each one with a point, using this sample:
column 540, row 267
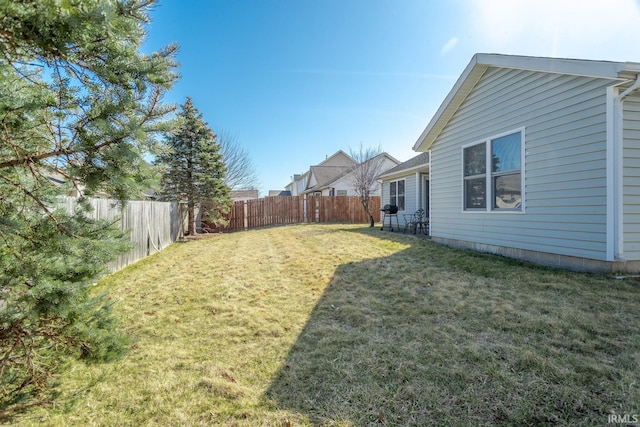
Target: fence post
column 304, row 207
column 245, row 219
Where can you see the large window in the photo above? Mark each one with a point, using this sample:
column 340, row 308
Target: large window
column 492, row 174
column 396, row 193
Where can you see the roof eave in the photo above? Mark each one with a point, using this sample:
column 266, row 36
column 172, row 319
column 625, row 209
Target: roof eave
column 404, row 172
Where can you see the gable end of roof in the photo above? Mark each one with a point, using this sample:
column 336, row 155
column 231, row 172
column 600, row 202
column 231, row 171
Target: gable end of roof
column 483, row 61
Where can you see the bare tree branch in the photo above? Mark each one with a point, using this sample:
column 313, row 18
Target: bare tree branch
column 369, row 164
column 241, row 173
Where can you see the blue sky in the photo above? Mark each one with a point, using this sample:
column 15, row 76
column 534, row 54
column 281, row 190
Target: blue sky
column 297, row 80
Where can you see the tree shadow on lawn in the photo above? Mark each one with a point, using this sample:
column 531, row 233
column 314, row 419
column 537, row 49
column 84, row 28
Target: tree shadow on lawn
column 410, row 339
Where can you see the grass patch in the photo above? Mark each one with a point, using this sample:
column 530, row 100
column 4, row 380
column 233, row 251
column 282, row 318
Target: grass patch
column 347, row 325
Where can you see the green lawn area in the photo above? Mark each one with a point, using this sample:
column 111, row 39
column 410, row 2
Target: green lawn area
column 347, row 325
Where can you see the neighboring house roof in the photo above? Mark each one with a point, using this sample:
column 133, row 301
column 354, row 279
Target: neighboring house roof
column 415, row 163
column 482, row 61
column 244, row 194
column 277, row 193
column 339, row 158
column 325, row 175
column 57, row 178
column 329, row 170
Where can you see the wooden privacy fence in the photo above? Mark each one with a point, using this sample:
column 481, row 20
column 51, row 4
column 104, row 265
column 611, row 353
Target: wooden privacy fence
column 280, row 210
column 152, row 225
column 341, row 209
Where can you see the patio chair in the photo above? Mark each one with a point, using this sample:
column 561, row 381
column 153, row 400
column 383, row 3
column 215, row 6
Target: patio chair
column 417, row 222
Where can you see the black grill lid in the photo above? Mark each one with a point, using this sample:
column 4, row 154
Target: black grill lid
column 390, row 209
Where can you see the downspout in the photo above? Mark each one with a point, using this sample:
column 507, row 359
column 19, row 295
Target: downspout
column 633, row 88
column 615, row 161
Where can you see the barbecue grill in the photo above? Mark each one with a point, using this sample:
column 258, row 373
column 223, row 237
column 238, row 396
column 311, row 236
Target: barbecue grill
column 390, row 211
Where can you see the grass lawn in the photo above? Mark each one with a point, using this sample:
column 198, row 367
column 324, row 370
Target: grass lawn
column 346, row 325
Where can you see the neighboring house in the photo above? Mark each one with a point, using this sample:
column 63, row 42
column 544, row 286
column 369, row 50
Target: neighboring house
column 239, row 195
column 328, row 170
column 59, row 179
column 343, row 185
column 539, row 159
column 322, row 178
column 334, row 176
column 322, row 175
column 298, row 184
column 339, row 158
column 407, row 186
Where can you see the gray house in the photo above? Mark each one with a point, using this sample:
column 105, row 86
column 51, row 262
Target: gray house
column 539, row 159
column 407, row 186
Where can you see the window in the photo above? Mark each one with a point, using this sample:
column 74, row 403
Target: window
column 492, row 171
column 475, row 177
column 396, row 194
column 342, row 192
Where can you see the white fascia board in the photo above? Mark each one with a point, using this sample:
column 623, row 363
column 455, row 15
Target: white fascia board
column 578, row 67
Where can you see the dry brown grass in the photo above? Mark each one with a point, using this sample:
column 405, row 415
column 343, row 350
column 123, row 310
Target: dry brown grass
column 346, row 325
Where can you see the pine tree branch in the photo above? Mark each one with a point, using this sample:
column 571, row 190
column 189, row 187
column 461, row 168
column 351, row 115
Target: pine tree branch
column 38, row 202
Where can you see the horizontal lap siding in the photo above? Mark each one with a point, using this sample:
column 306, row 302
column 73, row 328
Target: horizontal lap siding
column 631, row 178
column 410, row 202
column 565, row 176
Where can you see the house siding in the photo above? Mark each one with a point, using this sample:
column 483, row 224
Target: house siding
column 301, row 185
column 410, row 202
column 631, row 178
column 563, row 117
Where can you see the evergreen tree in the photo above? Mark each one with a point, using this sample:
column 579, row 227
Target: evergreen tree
column 194, row 170
column 78, row 100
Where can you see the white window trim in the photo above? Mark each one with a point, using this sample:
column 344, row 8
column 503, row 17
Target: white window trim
column 405, row 193
column 488, row 174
